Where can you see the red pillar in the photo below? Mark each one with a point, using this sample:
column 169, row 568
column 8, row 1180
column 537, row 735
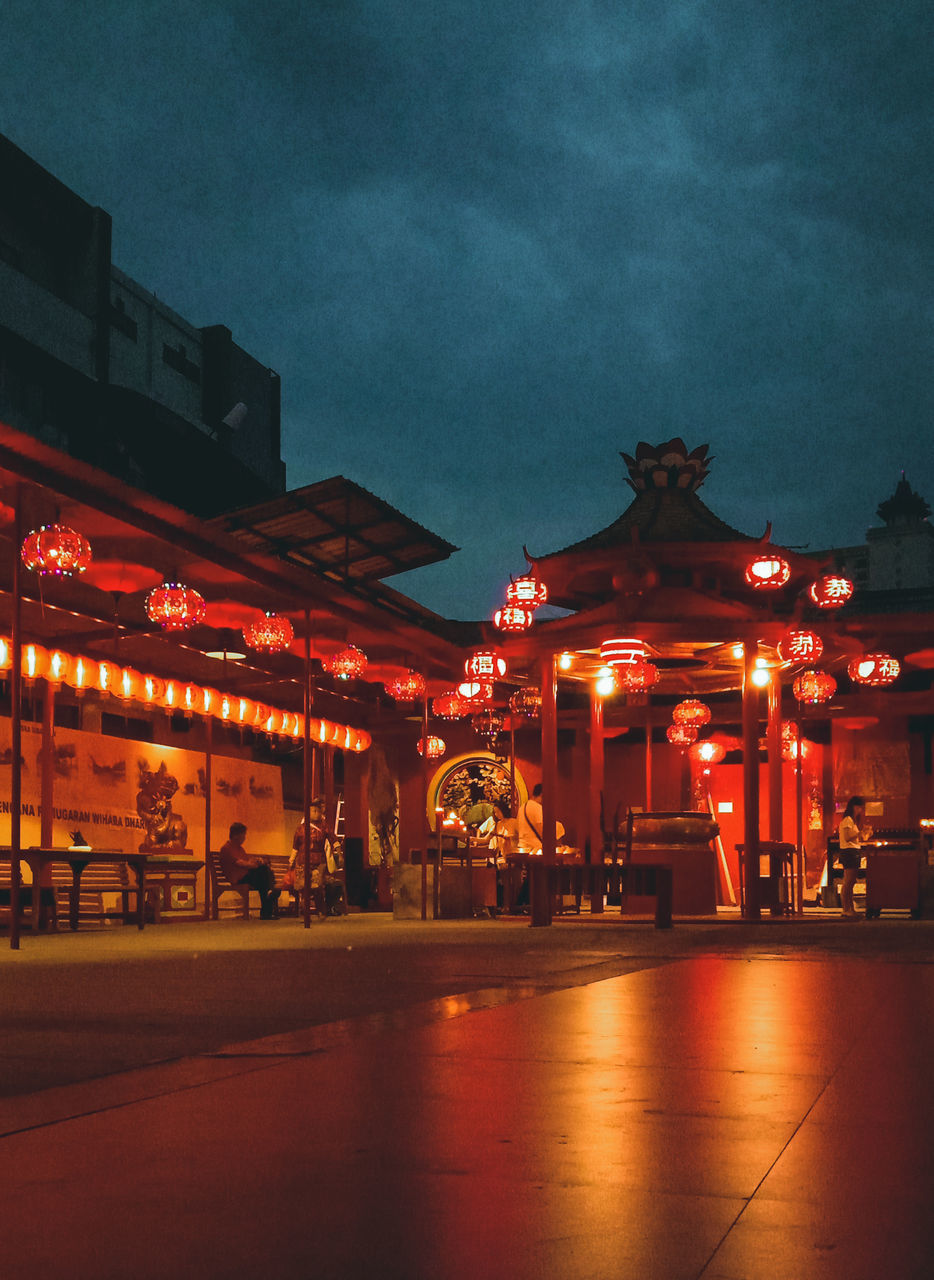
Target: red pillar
column 596, row 790
column 540, row 887
column 750, row 784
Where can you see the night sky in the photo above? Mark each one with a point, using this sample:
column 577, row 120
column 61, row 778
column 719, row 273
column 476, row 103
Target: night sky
column 487, row 246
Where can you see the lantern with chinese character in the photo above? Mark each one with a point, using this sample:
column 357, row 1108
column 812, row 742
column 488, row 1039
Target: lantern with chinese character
column 636, row 677
column 830, row 591
column 347, row 664
column 431, row 748
column 800, row 646
column 174, row 606
column 475, row 691
column 484, row 666
column 450, row 706
column 622, row 652
column 874, row 669
column 406, row 687
column 512, row 618
column 707, row 752
column 526, row 702
column 272, row 633
column 56, row 549
column 767, row 572
column 814, row 686
column 527, row 592
column 691, row 712
column 681, row 735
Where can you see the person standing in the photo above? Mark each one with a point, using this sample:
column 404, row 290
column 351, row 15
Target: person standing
column 241, row 867
column 852, row 832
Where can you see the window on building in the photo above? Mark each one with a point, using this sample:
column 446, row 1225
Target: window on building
column 177, row 358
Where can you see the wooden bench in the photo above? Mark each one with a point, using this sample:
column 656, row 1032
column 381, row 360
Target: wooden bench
column 220, row 884
column 97, row 880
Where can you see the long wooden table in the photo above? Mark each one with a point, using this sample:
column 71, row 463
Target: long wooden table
column 38, row 859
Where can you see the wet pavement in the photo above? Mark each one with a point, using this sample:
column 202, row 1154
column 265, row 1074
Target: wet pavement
column 450, row 1099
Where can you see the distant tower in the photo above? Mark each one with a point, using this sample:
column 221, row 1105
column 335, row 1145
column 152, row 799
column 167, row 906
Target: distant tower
column 901, row 555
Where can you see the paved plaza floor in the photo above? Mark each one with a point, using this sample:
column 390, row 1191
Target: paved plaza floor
column 719, row 1101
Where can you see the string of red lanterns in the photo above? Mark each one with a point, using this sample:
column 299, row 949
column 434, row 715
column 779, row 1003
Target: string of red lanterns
column 81, row 673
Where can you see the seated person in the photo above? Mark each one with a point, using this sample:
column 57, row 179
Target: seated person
column 241, row 868
column 501, row 834
column 530, row 824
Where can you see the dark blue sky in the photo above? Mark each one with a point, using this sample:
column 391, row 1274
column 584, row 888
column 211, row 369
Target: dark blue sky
column 487, row 246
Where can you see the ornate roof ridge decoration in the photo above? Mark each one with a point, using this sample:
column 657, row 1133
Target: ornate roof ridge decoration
column 667, row 466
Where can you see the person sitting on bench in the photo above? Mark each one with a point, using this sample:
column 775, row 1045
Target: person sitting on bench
column 241, row 868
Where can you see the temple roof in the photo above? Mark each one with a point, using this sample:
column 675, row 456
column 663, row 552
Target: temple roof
column 904, row 506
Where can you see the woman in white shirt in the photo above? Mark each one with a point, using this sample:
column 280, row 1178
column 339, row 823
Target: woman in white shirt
column 852, row 832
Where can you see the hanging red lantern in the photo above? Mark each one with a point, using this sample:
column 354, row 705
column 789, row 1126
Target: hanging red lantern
column 767, row 572
column 874, row 669
column 34, row 662
column 59, row 666
column 484, row 665
column 174, row 606
column 692, row 712
column 450, row 706
column 527, row 592
column 272, row 633
column 526, row 702
column 56, row 549
column 153, row 690
column 799, row 645
column 431, row 748
column 513, row 618
column 831, row 591
column 475, row 691
column 488, row 724
column 636, row 677
column 814, row 686
column 622, row 652
column 707, row 752
column 681, row 735
column 244, row 712
column 406, row 687
column 129, row 684
column 346, row 664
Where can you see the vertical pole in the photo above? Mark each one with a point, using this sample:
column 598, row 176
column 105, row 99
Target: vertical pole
column 48, row 765
column 774, row 746
column 16, row 729
column 307, row 782
column 208, row 789
column 596, row 791
column 438, row 813
column 648, row 760
column 799, row 817
column 750, row 784
column 541, row 875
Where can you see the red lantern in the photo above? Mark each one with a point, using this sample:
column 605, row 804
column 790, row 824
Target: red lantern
column 527, row 592
column 450, row 706
column 34, row 662
column 488, row 724
column 513, row 618
column 406, row 687
column 270, row 634
column 244, row 711
column 830, row 591
column 622, row 652
column 874, row 669
column 526, row 702
column 800, row 646
column 814, row 686
column 81, row 674
column 475, row 691
column 767, row 573
column 174, row 606
column 129, row 684
column 484, row 665
column 153, row 690
column 681, row 735
column 431, row 747
column 56, row 549
column 347, row 664
column 637, row 676
column 707, row 752
column 691, row 712
column 59, row 666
